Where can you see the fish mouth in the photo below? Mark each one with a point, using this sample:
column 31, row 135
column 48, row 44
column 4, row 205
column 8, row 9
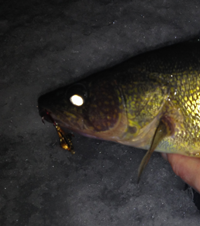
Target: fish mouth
column 45, row 115
column 48, row 116
column 43, row 111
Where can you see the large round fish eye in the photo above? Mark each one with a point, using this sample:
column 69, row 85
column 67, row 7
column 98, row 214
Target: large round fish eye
column 77, row 94
column 77, row 100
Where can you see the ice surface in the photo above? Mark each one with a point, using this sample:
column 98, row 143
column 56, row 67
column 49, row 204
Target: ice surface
column 48, row 44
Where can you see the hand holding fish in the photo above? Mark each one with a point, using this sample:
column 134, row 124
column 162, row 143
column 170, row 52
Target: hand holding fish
column 187, row 168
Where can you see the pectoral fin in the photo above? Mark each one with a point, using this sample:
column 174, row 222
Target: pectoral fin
column 163, row 130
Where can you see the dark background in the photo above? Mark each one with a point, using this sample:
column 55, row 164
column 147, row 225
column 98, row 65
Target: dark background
column 47, row 44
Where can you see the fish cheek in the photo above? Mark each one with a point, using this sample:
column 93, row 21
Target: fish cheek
column 104, row 106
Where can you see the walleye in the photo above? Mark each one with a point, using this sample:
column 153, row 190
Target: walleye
column 151, row 101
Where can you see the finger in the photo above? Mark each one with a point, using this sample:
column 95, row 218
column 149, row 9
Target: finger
column 187, row 168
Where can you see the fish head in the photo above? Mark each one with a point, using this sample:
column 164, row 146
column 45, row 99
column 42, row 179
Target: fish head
column 92, row 107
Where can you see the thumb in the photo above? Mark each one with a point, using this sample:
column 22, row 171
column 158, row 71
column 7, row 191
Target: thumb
column 187, row 168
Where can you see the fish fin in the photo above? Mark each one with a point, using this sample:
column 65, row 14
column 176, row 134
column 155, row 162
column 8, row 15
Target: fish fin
column 163, row 130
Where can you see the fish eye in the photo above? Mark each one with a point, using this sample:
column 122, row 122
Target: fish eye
column 77, row 94
column 77, row 100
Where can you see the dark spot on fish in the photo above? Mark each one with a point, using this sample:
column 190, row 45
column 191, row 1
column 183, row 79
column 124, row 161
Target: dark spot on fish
column 132, row 129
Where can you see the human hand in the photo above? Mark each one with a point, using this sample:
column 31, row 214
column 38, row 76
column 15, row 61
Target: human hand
column 187, row 168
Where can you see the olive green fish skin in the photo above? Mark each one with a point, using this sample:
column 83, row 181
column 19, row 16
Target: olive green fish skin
column 125, row 103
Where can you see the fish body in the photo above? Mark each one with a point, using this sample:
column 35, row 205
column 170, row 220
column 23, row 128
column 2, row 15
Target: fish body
column 151, row 101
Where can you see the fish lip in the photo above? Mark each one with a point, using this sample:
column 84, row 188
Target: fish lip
column 41, row 108
column 42, row 111
column 45, row 115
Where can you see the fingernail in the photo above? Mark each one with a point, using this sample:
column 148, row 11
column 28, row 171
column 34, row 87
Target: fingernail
column 165, row 156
